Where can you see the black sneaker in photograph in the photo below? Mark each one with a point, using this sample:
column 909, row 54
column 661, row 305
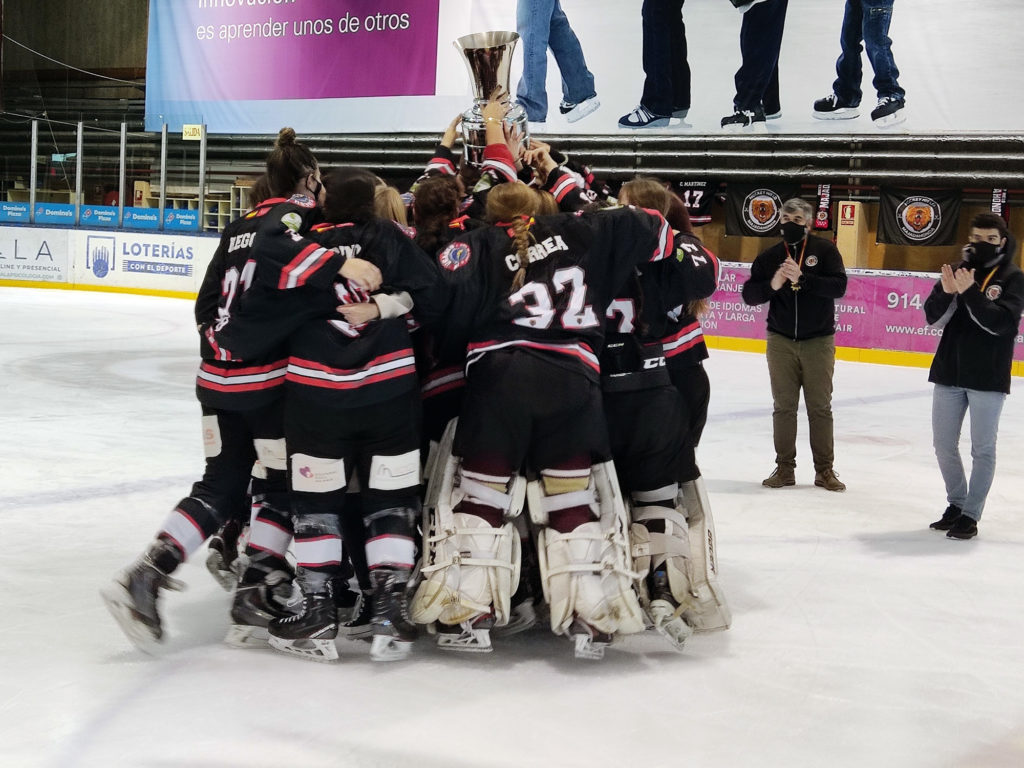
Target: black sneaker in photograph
column 833, row 108
column 889, row 111
column 641, row 117
column 964, row 528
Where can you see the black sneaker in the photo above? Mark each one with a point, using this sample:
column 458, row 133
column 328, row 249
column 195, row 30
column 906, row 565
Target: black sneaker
column 889, row 111
column 964, row 528
column 745, row 119
column 834, row 108
column 948, row 518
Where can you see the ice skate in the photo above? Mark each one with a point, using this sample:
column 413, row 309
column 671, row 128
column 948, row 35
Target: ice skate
column 588, row 642
column 393, row 630
column 132, row 600
column 665, row 613
column 360, row 625
column 223, row 560
column 346, row 600
column 310, row 633
column 472, row 636
column 254, row 607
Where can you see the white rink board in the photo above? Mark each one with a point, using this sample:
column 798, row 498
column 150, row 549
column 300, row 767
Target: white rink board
column 37, row 254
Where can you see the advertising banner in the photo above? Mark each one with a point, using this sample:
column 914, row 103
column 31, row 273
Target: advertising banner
column 879, row 311
column 142, row 218
column 99, row 216
column 55, row 213
column 41, row 255
column 139, row 260
column 15, row 213
column 381, row 66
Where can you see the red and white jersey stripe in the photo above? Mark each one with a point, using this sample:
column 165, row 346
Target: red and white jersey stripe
column 580, row 352
column 383, row 368
column 248, row 379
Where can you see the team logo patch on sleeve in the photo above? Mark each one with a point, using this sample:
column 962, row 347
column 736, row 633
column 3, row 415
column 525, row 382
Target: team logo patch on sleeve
column 811, row 260
column 292, row 220
column 455, row 256
column 994, row 292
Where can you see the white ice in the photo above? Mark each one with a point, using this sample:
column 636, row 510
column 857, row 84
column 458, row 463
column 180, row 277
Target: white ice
column 860, row 638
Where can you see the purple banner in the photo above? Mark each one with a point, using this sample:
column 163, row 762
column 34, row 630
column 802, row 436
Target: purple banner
column 230, row 50
column 878, row 312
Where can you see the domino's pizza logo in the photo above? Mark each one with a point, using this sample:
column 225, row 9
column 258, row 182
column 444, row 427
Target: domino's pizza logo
column 455, row 256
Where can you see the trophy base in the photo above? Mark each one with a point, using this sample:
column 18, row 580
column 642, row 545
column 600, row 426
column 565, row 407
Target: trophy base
column 474, row 136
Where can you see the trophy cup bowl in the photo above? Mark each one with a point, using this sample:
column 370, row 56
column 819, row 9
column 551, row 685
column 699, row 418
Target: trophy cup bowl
column 488, row 56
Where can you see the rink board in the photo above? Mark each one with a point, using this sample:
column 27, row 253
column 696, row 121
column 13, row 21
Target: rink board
column 879, row 320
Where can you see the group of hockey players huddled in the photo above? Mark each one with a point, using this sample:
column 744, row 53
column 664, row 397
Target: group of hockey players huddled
column 464, row 422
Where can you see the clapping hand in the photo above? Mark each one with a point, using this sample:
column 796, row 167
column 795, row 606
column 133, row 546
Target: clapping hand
column 947, row 280
column 963, row 279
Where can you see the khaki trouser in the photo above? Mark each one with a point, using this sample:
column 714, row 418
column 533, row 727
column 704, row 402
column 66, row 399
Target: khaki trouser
column 792, row 365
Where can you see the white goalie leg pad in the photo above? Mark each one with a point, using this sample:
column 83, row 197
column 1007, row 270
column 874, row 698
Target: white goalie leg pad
column 671, row 549
column 587, row 573
column 712, row 611
column 469, row 567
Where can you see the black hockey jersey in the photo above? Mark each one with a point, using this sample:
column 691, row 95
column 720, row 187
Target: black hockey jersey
column 698, row 196
column 328, row 357
column 645, row 320
column 221, row 382
column 576, row 265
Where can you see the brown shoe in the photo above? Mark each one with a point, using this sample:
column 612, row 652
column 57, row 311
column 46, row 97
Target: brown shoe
column 779, row 478
column 827, row 479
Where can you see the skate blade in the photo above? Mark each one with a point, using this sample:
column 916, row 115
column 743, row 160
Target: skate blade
column 310, row 649
column 116, row 598
column 585, row 647
column 468, row 641
column 673, row 628
column 524, row 617
column 247, row 636
column 362, row 632
column 388, row 648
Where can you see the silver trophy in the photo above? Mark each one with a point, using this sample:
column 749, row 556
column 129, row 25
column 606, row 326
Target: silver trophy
column 488, row 55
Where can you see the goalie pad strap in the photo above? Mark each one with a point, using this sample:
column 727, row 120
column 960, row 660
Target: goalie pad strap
column 484, row 494
column 560, row 501
column 487, row 562
column 657, row 495
column 662, row 544
column 659, row 513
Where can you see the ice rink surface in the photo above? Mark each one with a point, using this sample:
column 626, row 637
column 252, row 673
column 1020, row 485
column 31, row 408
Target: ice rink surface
column 860, row 638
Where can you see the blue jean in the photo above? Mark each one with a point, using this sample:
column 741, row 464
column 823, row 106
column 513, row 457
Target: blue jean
column 757, row 79
column 949, row 405
column 542, row 24
column 667, row 82
column 866, row 21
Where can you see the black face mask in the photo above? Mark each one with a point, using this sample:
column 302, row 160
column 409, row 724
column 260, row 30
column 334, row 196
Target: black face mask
column 316, row 190
column 981, row 253
column 792, row 232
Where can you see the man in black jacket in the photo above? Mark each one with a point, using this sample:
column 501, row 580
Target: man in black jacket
column 800, row 278
column 977, row 304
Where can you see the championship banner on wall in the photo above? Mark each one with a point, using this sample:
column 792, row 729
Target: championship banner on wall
column 915, row 217
column 754, row 210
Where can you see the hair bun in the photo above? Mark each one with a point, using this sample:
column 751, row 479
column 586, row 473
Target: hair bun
column 285, row 137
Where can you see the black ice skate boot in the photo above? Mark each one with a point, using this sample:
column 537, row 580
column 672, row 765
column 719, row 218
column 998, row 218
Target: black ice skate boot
column 255, row 606
column 310, row 633
column 950, row 516
column 664, row 611
column 222, row 559
column 131, row 598
column 360, row 625
column 393, row 630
